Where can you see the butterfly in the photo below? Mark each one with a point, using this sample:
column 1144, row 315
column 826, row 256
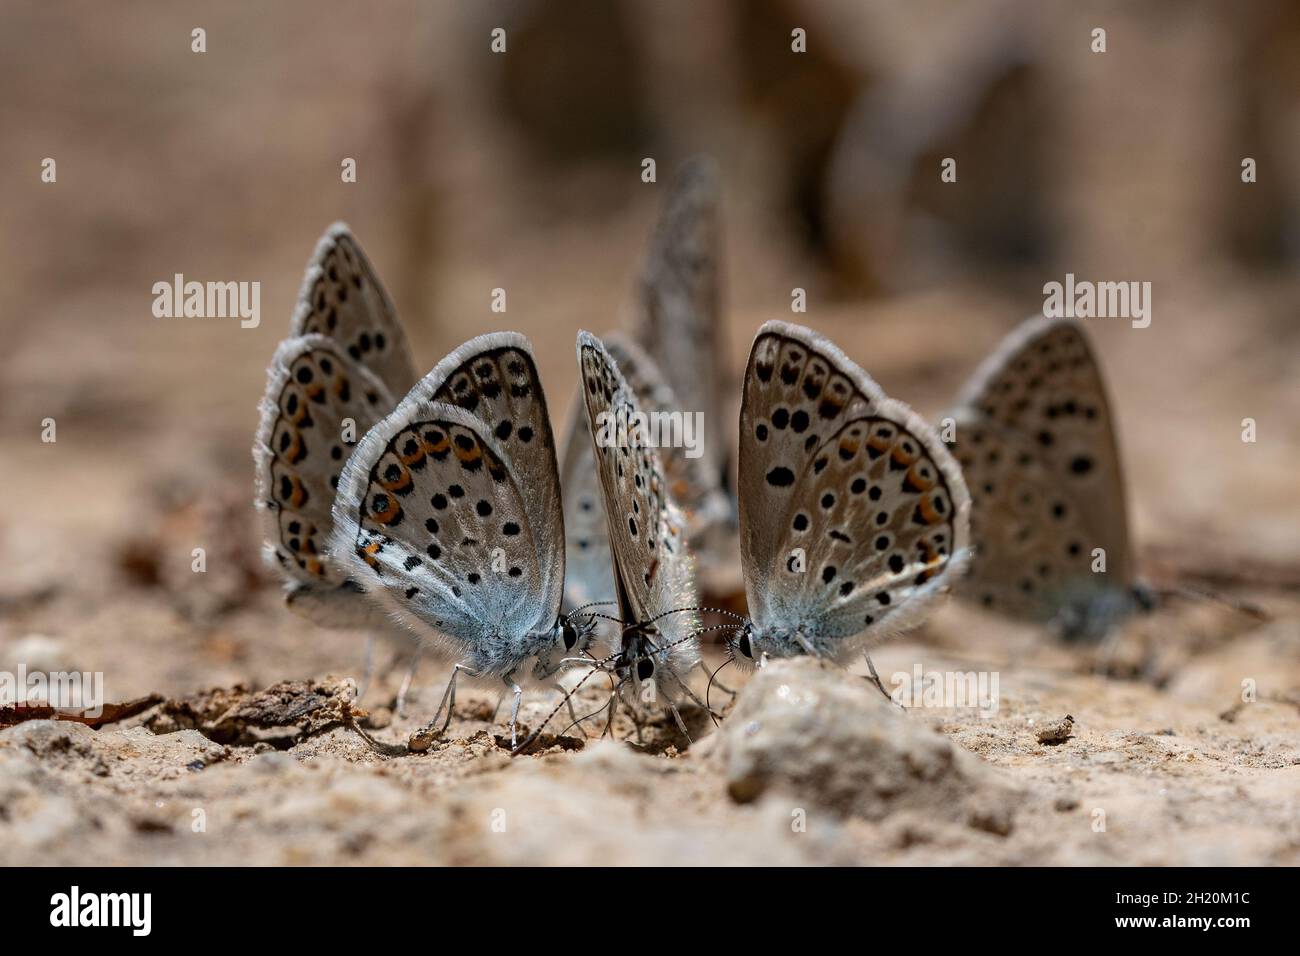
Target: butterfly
column 652, row 562
column 589, row 575
column 673, row 363
column 1035, row 437
column 341, row 297
column 448, row 513
column 338, row 373
column 590, row 571
column 853, row 515
column 677, row 309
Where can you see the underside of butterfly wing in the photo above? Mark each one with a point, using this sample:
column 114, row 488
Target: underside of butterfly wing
column 432, row 520
column 853, row 514
column 317, row 404
column 1023, row 522
column 678, row 320
column 693, row 482
column 341, row 297
column 653, row 563
column 589, row 574
column 494, row 378
column 1035, row 436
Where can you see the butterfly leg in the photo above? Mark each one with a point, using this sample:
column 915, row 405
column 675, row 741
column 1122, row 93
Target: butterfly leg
column 609, row 724
column 613, row 709
column 518, row 691
column 685, row 687
column 875, row 679
column 636, row 720
column 399, row 706
column 681, row 724
column 573, row 714
column 716, row 683
column 449, row 697
column 368, row 667
column 1105, row 655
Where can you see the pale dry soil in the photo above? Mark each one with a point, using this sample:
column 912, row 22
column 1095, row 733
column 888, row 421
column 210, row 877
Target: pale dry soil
column 811, row 765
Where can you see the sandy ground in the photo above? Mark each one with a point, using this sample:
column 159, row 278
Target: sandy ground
column 811, row 765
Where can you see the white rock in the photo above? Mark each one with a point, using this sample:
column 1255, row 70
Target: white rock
column 823, row 738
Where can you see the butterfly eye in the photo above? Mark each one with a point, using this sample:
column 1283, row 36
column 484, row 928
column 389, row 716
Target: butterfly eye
column 645, row 669
column 745, row 649
column 570, row 636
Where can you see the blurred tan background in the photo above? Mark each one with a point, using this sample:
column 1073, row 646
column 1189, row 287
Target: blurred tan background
column 522, row 171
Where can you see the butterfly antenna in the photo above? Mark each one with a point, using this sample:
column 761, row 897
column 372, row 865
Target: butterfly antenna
column 709, row 686
column 603, row 663
column 568, row 695
column 711, row 610
column 1248, row 608
column 673, row 672
column 579, row 610
column 606, row 617
column 377, row 745
column 585, row 717
column 682, row 640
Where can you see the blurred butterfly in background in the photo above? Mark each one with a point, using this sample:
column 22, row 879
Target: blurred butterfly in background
column 589, row 573
column 1036, row 440
column 677, row 322
column 449, row 514
column 854, row 517
column 677, row 367
column 653, row 567
column 346, row 362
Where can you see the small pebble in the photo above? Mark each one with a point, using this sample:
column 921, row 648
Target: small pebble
column 1056, row 732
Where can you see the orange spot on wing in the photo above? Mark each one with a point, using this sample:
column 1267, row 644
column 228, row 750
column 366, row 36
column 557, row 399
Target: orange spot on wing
column 927, row 510
column 299, row 495
column 368, row 554
column 295, row 452
column 399, row 484
column 901, row 457
column 921, row 484
column 437, row 449
column 388, row 515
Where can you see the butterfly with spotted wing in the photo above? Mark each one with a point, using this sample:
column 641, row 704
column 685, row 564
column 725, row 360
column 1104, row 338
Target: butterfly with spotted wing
column 590, row 571
column 677, row 323
column 654, row 569
column 853, row 515
column 1036, row 439
column 342, row 369
column 449, row 514
column 673, row 363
